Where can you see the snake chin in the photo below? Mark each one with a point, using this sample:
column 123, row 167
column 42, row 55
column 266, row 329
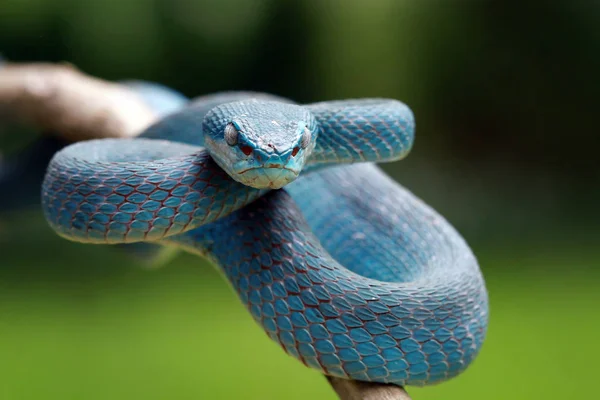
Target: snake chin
column 267, row 176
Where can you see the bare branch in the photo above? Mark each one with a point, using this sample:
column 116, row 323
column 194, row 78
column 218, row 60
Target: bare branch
column 58, row 98
column 355, row 390
column 75, row 106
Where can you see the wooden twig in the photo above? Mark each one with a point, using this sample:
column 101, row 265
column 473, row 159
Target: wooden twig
column 355, row 390
column 60, row 99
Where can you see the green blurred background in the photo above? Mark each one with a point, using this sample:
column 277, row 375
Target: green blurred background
column 505, row 95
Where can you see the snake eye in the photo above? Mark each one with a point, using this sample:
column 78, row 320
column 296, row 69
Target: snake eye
column 231, row 135
column 247, row 150
column 305, row 140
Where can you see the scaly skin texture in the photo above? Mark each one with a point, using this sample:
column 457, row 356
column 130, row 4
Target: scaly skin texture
column 346, row 270
column 362, row 130
column 165, row 188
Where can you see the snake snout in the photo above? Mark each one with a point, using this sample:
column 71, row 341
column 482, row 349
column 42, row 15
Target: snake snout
column 271, row 172
column 268, row 177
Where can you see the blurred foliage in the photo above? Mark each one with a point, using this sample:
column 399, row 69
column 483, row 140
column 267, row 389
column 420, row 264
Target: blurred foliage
column 505, row 95
column 81, row 322
column 504, row 92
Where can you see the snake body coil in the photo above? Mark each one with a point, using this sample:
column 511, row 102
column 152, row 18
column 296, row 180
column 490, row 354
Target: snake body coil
column 349, row 272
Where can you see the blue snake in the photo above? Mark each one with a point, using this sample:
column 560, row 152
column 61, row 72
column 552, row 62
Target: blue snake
column 346, row 270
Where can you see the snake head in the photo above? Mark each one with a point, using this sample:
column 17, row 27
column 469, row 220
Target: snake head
column 259, row 143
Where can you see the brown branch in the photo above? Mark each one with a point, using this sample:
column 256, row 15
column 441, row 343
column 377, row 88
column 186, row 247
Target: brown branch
column 355, row 390
column 58, row 98
column 75, row 106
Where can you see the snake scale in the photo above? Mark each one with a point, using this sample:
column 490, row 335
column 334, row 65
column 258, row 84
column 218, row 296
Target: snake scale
column 348, row 271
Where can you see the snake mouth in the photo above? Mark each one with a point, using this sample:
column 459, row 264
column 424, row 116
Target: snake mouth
column 269, row 166
column 271, row 176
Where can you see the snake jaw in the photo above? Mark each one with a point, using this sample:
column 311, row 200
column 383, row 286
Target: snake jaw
column 271, row 172
column 267, row 178
column 274, row 173
column 263, row 167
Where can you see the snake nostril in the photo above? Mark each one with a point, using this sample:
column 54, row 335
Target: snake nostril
column 295, row 151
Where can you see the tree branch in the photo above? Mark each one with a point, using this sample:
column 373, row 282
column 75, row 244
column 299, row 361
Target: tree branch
column 355, row 390
column 62, row 100
column 59, row 99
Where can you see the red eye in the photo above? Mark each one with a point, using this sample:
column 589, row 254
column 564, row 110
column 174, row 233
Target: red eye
column 295, row 151
column 247, row 150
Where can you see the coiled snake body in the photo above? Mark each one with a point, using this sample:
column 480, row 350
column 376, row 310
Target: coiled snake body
column 349, row 272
